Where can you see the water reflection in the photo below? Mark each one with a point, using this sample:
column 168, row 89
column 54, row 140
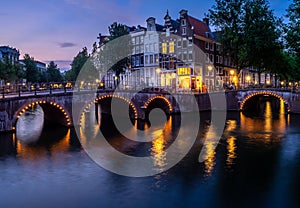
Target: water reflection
column 258, row 154
column 231, row 148
column 30, row 124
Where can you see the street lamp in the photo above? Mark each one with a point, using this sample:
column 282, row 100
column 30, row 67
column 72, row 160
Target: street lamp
column 248, row 78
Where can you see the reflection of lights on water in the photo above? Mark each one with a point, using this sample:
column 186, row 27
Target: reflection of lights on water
column 209, row 150
column 210, row 153
column 159, row 144
column 158, row 153
column 231, row 147
column 231, row 125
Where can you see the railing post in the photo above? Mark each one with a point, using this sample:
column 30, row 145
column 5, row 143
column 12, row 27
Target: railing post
column 34, row 90
column 19, row 91
column 50, row 89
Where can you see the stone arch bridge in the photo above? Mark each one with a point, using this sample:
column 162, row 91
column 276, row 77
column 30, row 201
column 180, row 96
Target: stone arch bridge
column 58, row 107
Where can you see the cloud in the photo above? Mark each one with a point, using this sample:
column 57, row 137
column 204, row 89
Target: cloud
column 66, row 44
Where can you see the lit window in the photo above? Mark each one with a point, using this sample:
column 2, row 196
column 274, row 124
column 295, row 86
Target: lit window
column 171, row 47
column 156, row 58
column 164, row 47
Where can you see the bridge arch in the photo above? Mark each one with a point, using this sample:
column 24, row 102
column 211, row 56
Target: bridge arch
column 158, row 101
column 260, row 93
column 53, row 112
column 109, row 96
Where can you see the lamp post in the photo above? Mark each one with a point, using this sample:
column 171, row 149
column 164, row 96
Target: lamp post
column 248, row 78
column 231, row 75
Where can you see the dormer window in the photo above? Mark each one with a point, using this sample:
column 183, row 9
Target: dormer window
column 183, row 22
column 183, row 31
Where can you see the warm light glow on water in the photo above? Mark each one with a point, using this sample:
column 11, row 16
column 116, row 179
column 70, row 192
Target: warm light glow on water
column 258, row 153
column 210, row 157
column 231, row 148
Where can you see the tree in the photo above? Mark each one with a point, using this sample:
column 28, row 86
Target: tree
column 292, row 29
column 32, row 73
column 261, row 36
column 77, row 64
column 53, row 74
column 114, row 55
column 227, row 17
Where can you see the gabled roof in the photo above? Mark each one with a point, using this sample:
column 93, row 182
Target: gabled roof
column 200, row 28
column 159, row 27
column 175, row 24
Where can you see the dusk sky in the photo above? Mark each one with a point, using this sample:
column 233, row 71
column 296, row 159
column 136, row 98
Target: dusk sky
column 58, row 29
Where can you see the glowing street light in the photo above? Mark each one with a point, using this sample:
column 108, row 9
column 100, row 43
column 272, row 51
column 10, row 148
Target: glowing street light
column 248, row 78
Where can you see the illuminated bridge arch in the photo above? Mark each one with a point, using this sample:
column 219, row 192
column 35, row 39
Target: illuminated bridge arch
column 110, row 96
column 53, row 112
column 247, row 98
column 160, row 102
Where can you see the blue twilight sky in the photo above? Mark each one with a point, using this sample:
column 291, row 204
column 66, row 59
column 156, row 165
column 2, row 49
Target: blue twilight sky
column 58, row 29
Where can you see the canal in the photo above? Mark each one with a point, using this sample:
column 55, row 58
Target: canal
column 256, row 163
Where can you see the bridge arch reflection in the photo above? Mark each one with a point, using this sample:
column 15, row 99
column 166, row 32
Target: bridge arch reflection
column 53, row 113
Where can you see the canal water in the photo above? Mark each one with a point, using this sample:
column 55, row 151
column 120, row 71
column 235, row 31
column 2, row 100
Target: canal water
column 256, row 164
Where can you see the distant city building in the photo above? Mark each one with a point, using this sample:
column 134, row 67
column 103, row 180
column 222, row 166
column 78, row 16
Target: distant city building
column 9, row 53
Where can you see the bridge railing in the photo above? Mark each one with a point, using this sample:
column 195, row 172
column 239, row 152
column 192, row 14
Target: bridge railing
column 19, row 90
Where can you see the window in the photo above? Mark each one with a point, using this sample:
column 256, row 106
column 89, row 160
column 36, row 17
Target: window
column 155, row 47
column 156, row 58
column 207, row 58
column 151, row 59
column 133, row 41
column 217, row 59
column 164, row 47
column 183, row 31
column 180, row 57
column 141, row 49
column 183, row 22
column 137, row 49
column 137, row 61
column 142, row 39
column 146, row 59
column 220, row 59
column 190, row 56
column 179, row 43
column 218, row 47
column 206, row 45
column 171, row 47
column 146, row 48
column 137, row 40
column 168, row 32
column 184, row 44
column 211, row 57
column 211, row 46
column 184, row 58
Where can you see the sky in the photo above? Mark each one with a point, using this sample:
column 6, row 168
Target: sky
column 56, row 30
